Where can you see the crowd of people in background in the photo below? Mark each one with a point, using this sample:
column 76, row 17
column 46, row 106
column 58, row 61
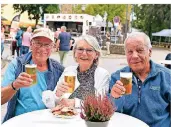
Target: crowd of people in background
column 20, row 43
column 2, row 39
column 26, row 37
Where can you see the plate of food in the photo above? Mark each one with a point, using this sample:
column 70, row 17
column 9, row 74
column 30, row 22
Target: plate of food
column 64, row 112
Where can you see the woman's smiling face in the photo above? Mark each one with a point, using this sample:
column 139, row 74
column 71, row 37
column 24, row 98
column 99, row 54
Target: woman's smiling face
column 85, row 54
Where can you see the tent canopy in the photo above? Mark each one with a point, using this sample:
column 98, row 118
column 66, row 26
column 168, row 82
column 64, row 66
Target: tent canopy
column 103, row 24
column 163, row 33
column 100, row 22
column 98, row 18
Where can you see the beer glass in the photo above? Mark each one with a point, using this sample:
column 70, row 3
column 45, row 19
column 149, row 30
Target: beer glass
column 31, row 70
column 126, row 79
column 70, row 79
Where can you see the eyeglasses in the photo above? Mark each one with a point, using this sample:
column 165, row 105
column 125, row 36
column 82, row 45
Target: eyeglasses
column 88, row 51
column 39, row 45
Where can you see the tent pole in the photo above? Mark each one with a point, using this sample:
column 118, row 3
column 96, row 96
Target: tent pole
column 151, row 40
column 104, row 30
column 159, row 40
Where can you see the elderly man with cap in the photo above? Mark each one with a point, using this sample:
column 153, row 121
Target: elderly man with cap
column 17, row 88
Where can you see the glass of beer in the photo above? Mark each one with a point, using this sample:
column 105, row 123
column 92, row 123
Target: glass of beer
column 126, row 79
column 70, row 79
column 31, row 70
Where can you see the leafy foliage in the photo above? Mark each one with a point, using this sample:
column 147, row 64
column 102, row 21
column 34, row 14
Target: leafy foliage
column 77, row 9
column 111, row 9
column 34, row 11
column 152, row 18
column 97, row 108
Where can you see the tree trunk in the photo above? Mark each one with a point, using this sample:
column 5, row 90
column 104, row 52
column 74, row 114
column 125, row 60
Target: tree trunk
column 107, row 27
column 37, row 17
column 37, row 21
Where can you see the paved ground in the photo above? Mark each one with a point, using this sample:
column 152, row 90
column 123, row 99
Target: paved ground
column 111, row 62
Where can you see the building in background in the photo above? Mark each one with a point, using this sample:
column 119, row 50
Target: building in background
column 66, row 8
column 76, row 23
column 8, row 12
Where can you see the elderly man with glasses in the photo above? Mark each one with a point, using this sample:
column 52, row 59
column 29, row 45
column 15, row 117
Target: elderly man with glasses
column 17, row 88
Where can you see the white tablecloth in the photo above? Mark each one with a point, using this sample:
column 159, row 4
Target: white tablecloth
column 43, row 118
column 165, row 62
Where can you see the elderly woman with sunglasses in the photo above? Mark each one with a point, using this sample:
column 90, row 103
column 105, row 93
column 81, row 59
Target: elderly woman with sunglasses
column 90, row 78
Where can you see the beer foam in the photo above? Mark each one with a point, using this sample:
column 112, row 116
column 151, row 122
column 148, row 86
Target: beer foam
column 126, row 74
column 31, row 65
column 70, row 73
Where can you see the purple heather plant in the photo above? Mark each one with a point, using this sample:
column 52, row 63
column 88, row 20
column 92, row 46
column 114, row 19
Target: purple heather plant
column 97, row 108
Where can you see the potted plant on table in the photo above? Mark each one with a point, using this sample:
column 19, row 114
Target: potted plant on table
column 97, row 110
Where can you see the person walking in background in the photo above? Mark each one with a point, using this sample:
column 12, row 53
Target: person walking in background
column 98, row 36
column 63, row 44
column 19, row 40
column 26, row 41
column 57, row 34
column 14, row 43
column 108, row 42
column 2, row 39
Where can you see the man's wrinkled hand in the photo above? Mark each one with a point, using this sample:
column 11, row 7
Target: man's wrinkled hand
column 118, row 89
column 23, row 80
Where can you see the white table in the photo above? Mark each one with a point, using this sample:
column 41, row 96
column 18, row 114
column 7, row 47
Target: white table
column 168, row 62
column 43, row 118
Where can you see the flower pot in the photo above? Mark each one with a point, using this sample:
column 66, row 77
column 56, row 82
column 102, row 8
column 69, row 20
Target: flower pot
column 96, row 124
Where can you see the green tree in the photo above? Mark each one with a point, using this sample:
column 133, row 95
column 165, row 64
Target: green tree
column 152, row 18
column 77, row 9
column 34, row 10
column 111, row 9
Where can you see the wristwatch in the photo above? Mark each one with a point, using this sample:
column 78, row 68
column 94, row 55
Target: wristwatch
column 13, row 87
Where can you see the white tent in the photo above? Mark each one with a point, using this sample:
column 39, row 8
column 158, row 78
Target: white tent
column 103, row 24
column 98, row 18
column 100, row 22
column 163, row 33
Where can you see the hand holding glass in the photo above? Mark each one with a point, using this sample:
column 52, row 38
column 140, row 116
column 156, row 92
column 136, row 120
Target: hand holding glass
column 31, row 70
column 70, row 79
column 126, row 79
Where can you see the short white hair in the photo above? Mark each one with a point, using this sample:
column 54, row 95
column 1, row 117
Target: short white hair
column 91, row 41
column 139, row 34
column 63, row 28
